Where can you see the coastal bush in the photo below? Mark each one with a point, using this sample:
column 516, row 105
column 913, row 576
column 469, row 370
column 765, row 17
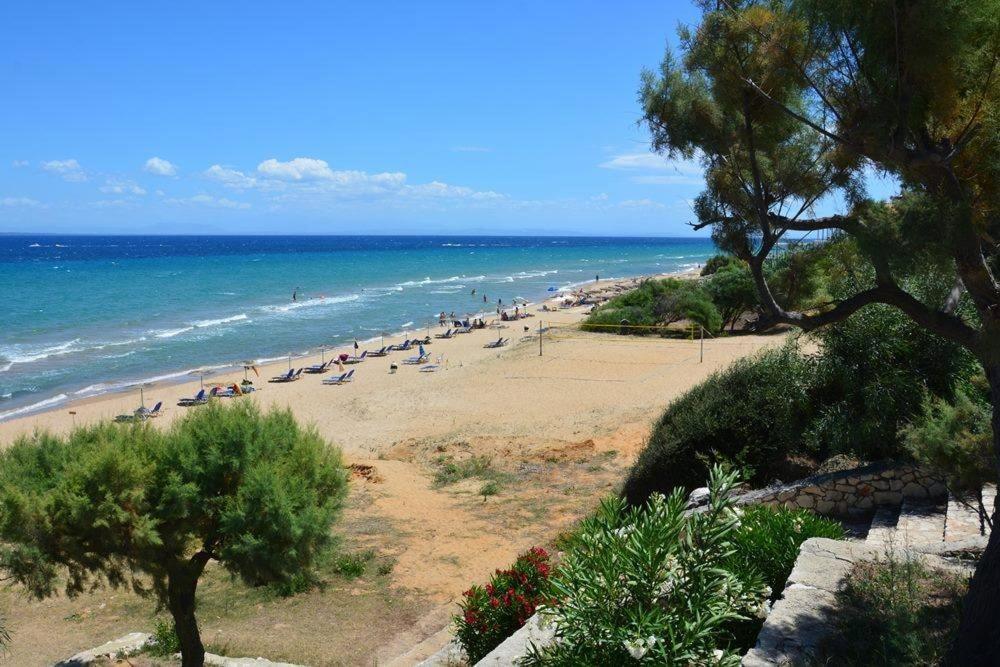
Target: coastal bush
column 126, row 505
column 491, row 613
column 637, row 307
column 650, row 585
column 956, row 440
column 751, row 413
column 164, row 641
column 717, row 262
column 895, row 611
column 732, row 291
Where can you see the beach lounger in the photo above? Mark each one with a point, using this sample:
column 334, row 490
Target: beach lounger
column 318, row 368
column 199, row 399
column 384, row 352
column 287, row 377
column 419, row 359
column 357, row 360
column 499, row 342
column 150, row 414
column 402, row 347
column 447, row 334
column 340, row 379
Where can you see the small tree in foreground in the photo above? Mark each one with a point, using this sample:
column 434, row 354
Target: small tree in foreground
column 133, row 506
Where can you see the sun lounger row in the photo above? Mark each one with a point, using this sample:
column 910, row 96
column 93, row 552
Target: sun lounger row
column 142, row 414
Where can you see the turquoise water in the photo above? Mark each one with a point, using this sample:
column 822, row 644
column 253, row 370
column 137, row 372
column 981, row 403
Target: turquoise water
column 84, row 315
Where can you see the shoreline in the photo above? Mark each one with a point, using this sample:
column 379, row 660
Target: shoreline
column 171, row 380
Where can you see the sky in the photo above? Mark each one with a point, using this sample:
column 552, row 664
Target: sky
column 335, row 118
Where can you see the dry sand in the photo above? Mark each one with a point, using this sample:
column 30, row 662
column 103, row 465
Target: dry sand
column 563, row 427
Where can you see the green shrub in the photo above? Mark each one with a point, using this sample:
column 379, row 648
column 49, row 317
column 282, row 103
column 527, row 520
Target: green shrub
column 493, row 612
column 768, row 541
column 895, row 611
column 732, row 291
column 956, row 440
column 636, row 306
column 164, row 641
column 718, row 262
column 752, row 413
column 352, row 566
column 650, row 585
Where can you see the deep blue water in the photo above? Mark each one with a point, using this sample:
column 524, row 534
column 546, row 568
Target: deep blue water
column 81, row 315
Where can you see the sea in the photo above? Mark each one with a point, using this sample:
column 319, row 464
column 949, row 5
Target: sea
column 86, row 315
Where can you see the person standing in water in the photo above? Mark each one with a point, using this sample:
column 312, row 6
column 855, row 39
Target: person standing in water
column 295, row 294
column 597, row 279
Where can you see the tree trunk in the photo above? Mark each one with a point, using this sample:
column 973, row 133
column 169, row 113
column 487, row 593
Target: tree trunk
column 182, row 584
column 978, row 639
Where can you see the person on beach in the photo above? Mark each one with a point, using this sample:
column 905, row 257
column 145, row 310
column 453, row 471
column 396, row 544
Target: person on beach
column 442, row 318
column 597, row 278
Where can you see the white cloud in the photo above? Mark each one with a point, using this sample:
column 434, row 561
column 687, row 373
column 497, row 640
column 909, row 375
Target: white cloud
column 210, row 201
column 684, row 172
column 113, row 203
column 122, row 187
column 297, row 169
column 19, row 202
column 17, row 164
column 160, row 167
column 69, row 170
column 436, row 189
column 230, row 177
column 640, row 203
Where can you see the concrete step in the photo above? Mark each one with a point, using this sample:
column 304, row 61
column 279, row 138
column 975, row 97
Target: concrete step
column 921, row 523
column 963, row 518
column 881, row 532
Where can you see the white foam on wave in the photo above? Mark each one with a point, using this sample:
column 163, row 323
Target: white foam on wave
column 19, row 354
column 201, row 324
column 34, row 407
column 310, row 303
column 170, row 333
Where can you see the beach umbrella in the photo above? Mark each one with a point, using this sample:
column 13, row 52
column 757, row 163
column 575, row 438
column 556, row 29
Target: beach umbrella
column 247, row 365
column 142, row 398
column 201, row 374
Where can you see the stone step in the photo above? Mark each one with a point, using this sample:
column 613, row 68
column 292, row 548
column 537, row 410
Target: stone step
column 880, row 534
column 963, row 518
column 921, row 523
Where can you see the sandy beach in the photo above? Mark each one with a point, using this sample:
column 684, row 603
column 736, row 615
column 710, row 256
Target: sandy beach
column 562, row 427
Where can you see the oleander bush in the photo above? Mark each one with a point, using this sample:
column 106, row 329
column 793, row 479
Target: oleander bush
column 491, row 613
column 768, row 541
column 650, row 585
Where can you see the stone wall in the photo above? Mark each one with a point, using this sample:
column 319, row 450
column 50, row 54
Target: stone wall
column 847, row 493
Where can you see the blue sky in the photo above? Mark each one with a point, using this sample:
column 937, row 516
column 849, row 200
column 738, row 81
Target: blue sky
column 321, row 117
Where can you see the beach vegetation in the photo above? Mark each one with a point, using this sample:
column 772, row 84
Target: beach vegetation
column 450, row 471
column 870, row 377
column 750, row 413
column 491, row 613
column 651, row 585
column 955, row 440
column 895, row 611
column 790, row 103
column 133, row 506
column 654, row 305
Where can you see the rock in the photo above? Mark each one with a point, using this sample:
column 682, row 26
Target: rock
column 824, row 507
column 914, row 490
column 698, row 497
column 805, row 501
column 131, row 643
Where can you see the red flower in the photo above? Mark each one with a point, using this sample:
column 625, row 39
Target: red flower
column 494, row 602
